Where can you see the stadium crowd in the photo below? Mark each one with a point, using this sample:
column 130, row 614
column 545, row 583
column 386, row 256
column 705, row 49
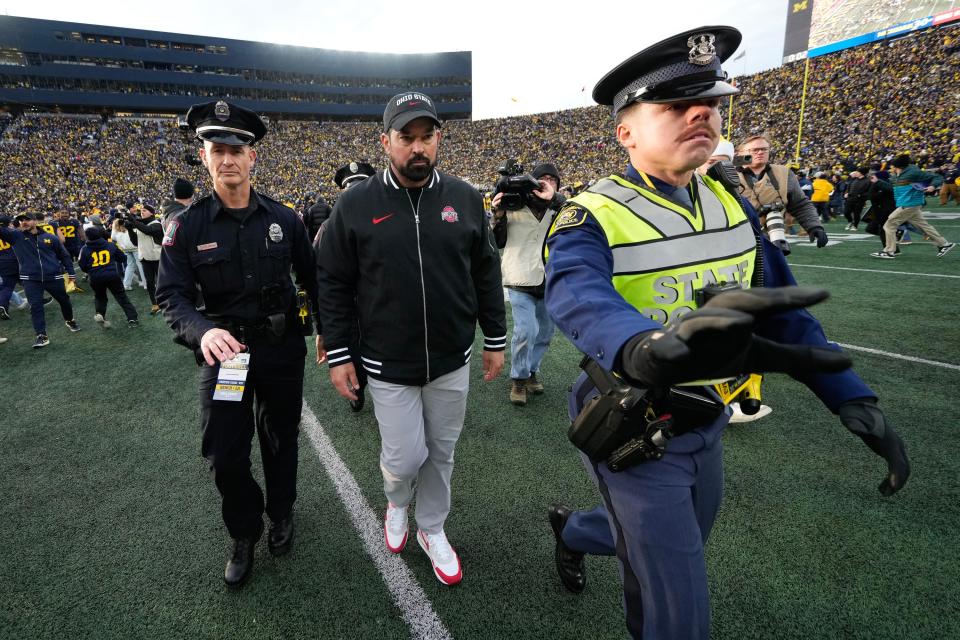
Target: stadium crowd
column 863, row 106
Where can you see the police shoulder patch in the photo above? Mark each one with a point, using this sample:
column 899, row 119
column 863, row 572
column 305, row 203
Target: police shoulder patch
column 568, row 218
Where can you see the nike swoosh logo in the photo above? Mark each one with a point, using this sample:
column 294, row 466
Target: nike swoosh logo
column 379, row 220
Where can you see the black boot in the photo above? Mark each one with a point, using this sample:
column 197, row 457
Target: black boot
column 240, row 565
column 569, row 563
column 281, row 535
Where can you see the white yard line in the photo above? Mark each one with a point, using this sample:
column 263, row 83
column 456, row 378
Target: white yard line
column 900, row 356
column 407, row 595
column 900, row 273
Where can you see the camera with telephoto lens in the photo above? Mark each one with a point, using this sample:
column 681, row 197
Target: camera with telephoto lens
column 516, row 186
column 773, row 207
column 773, row 223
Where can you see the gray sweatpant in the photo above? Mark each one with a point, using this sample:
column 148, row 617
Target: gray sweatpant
column 419, row 428
column 914, row 216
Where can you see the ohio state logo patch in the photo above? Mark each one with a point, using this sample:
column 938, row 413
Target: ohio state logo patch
column 449, row 214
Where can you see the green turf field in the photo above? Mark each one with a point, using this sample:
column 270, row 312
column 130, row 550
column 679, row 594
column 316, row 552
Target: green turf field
column 111, row 524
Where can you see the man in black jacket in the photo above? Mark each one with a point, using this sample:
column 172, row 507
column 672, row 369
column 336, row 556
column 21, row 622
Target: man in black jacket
column 855, row 197
column 315, row 215
column 408, row 254
column 182, row 198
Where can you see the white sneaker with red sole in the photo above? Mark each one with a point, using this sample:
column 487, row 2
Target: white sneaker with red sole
column 446, row 564
column 395, row 528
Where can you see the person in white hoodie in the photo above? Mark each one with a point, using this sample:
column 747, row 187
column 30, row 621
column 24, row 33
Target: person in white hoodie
column 121, row 237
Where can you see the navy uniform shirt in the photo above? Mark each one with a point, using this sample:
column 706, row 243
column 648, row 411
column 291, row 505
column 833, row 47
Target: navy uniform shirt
column 588, row 309
column 102, row 259
column 9, row 266
column 241, row 261
column 51, row 227
column 72, row 234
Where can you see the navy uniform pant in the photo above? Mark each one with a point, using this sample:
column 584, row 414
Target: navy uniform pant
column 271, row 405
column 7, row 283
column 34, row 291
column 656, row 517
column 115, row 287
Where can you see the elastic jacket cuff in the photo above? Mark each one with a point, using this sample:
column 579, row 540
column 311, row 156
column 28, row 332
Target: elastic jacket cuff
column 494, row 344
column 339, row 356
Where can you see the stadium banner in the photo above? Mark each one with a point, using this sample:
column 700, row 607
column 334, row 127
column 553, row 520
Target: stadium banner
column 799, row 13
column 890, row 32
column 947, row 16
column 813, row 25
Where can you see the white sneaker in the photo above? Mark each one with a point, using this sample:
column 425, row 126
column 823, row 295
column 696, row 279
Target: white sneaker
column 103, row 322
column 446, row 564
column 395, row 528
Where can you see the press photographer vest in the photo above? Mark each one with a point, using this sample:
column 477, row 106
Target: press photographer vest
column 769, row 189
column 662, row 252
column 522, row 264
column 147, row 248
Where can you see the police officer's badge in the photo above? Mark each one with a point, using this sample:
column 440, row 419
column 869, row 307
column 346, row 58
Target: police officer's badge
column 354, row 167
column 275, row 232
column 702, row 51
column 222, row 111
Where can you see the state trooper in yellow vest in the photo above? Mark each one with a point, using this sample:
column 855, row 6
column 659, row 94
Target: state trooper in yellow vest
column 626, row 261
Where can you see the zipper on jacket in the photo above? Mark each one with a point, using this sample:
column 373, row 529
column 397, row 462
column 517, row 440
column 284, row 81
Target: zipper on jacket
column 36, row 239
column 423, row 284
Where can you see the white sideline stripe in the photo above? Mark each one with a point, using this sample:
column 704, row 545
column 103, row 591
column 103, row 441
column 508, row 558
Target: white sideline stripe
column 407, row 594
column 902, row 273
column 899, row 356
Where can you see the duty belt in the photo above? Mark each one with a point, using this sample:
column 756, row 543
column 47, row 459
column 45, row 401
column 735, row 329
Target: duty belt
column 273, row 327
column 625, row 426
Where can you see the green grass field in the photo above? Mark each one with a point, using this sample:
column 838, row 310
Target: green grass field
column 111, row 524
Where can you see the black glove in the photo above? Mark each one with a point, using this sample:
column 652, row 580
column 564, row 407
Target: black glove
column 818, row 234
column 864, row 418
column 784, row 247
column 717, row 341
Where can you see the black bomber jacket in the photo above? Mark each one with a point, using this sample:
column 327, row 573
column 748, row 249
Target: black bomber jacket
column 418, row 276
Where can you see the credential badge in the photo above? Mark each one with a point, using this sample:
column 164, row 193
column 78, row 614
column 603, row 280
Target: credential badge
column 222, row 111
column 702, row 51
column 275, row 232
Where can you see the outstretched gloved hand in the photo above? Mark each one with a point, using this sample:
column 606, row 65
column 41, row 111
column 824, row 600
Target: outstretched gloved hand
column 864, row 418
column 717, row 341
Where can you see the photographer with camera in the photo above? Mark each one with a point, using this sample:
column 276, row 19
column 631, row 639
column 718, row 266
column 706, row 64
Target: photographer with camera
column 772, row 188
column 522, row 215
column 149, row 237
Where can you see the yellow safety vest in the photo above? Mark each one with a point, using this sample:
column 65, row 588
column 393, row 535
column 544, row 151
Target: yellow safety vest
column 663, row 252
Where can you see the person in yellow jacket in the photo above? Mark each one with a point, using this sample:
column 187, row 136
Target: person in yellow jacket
column 822, row 189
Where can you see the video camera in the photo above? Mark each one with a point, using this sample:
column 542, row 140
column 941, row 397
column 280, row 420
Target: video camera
column 516, row 186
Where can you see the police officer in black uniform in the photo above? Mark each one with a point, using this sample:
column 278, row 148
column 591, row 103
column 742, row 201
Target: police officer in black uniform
column 238, row 246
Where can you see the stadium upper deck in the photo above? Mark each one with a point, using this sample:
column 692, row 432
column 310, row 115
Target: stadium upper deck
column 82, row 67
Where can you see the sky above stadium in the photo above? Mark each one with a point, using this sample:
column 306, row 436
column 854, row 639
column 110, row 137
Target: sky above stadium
column 528, row 57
